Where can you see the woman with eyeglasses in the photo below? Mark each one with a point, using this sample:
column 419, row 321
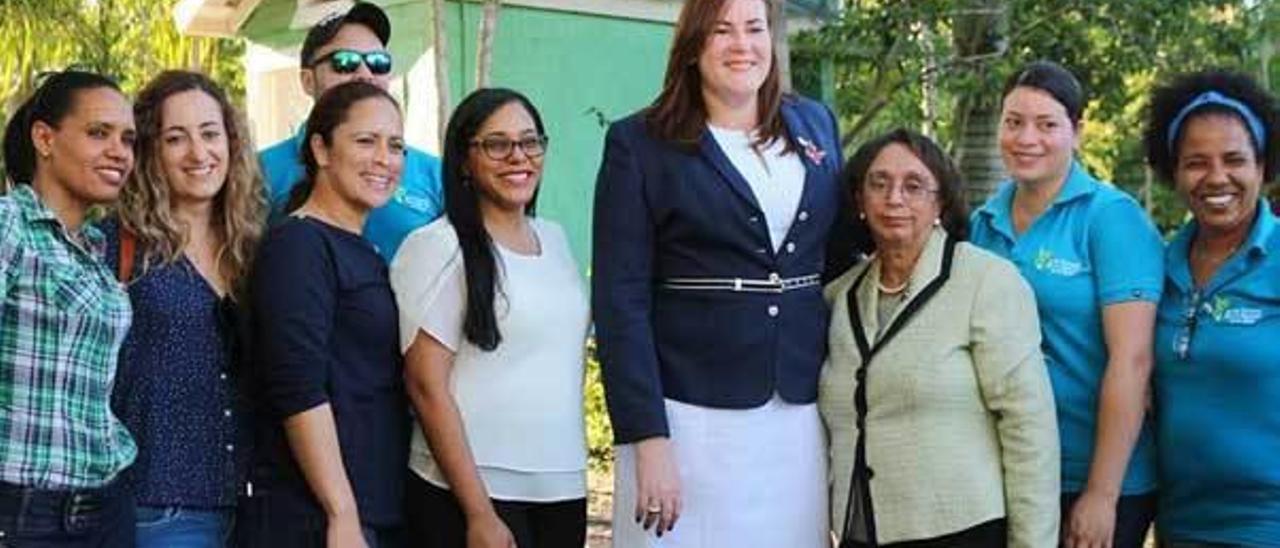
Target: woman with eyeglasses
column 1213, row 136
column 493, row 325
column 185, row 230
column 934, row 393
column 332, row 424
column 1092, row 256
column 63, row 316
column 714, row 209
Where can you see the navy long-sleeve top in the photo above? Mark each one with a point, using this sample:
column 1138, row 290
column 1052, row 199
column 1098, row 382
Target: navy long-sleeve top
column 176, row 386
column 325, row 331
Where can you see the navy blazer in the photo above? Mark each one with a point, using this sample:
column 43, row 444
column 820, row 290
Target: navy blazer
column 663, row 211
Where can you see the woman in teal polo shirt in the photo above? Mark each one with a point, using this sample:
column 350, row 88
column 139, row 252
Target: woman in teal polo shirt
column 1217, row 377
column 1093, row 259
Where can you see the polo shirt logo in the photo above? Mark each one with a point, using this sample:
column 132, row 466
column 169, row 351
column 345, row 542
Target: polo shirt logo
column 1046, row 262
column 1222, row 312
column 417, row 203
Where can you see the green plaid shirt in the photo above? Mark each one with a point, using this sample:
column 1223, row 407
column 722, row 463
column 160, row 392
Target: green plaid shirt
column 62, row 319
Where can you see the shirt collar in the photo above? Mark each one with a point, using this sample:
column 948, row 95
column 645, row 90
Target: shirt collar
column 998, row 210
column 1079, row 183
column 1255, row 244
column 34, row 211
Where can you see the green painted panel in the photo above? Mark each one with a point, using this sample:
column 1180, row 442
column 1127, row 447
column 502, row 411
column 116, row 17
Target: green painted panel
column 576, row 69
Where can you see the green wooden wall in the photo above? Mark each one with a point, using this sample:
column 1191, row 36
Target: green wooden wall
column 577, row 69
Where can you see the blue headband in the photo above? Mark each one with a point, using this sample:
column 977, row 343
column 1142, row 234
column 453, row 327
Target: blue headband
column 1251, row 120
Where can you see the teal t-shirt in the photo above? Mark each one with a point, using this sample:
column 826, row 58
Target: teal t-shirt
column 1094, row 246
column 1217, row 386
column 418, row 201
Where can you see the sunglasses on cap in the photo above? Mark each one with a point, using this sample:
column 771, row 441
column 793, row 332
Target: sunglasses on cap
column 347, row 61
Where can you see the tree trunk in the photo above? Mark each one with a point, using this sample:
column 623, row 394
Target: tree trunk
column 440, row 44
column 979, row 32
column 484, row 47
column 781, row 47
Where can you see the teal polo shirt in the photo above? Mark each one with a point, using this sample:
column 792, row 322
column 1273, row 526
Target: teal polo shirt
column 1092, row 247
column 1217, row 386
column 418, row 201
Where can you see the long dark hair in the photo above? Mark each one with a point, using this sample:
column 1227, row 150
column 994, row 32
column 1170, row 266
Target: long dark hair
column 678, row 115
column 954, row 212
column 329, row 112
column 52, row 101
column 462, row 206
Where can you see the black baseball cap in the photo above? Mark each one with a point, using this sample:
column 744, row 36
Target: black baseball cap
column 366, row 14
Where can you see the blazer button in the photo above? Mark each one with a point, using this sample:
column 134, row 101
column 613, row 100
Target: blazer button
column 754, row 219
column 804, row 216
column 791, row 247
column 774, row 278
column 773, row 311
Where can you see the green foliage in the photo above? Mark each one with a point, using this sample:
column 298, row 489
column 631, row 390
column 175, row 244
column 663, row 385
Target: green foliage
column 599, row 432
column 130, row 40
column 911, row 63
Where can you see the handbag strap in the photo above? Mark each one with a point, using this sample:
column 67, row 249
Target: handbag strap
column 128, row 246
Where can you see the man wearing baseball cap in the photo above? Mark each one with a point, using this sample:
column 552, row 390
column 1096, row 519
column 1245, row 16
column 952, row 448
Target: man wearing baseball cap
column 342, row 48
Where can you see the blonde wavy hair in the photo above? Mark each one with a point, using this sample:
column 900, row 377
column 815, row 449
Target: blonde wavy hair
column 239, row 209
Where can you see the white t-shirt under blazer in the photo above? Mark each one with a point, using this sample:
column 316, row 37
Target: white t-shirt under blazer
column 521, row 404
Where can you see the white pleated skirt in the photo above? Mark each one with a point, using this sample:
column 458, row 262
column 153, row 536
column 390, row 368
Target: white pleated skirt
column 749, row 478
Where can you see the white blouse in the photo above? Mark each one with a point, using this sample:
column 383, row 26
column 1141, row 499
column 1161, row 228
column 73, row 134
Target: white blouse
column 521, row 404
column 776, row 179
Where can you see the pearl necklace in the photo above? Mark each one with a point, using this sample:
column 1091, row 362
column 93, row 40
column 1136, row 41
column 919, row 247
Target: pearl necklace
column 892, row 290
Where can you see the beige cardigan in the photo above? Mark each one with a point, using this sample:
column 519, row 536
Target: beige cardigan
column 960, row 418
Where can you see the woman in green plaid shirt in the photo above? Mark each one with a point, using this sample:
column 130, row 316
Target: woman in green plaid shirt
column 63, row 316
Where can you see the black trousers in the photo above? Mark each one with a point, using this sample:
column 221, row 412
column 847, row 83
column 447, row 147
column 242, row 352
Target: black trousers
column 436, row 521
column 1134, row 514
column 281, row 520
column 991, row 534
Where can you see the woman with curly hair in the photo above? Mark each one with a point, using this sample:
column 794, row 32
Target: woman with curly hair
column 1217, row 376
column 185, row 230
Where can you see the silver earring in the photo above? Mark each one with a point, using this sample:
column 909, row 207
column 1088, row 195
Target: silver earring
column 937, row 221
column 862, row 216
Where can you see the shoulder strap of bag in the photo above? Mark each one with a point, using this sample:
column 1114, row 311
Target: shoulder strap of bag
column 128, row 244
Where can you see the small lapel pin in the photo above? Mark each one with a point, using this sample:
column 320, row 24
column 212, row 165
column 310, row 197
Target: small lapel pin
column 811, row 150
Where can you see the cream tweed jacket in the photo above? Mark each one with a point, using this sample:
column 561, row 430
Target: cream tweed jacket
column 960, row 418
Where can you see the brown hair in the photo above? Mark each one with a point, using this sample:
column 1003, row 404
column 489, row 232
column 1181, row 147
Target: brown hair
column 146, row 208
column 678, row 115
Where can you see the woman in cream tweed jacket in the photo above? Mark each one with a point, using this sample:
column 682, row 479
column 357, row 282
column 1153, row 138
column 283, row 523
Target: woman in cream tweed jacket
column 935, row 396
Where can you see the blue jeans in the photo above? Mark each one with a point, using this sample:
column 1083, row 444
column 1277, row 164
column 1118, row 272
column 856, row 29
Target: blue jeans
column 41, row 518
column 177, row 527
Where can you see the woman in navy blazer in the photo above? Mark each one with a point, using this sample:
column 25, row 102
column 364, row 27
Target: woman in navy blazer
column 714, row 208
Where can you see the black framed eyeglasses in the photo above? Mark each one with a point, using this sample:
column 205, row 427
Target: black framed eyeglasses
column 501, row 148
column 347, row 61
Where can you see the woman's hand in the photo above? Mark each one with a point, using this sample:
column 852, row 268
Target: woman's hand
column 1091, row 522
column 343, row 531
column 657, row 485
column 488, row 531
